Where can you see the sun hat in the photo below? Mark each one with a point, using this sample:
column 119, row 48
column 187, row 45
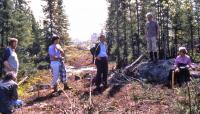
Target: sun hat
column 182, row 49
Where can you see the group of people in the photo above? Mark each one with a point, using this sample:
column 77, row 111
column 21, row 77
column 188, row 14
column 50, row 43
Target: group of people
column 57, row 65
column 8, row 85
column 182, row 62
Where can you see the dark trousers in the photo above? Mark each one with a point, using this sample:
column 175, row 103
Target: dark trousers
column 180, row 77
column 102, row 69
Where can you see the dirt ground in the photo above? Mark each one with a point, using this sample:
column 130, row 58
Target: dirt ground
column 131, row 98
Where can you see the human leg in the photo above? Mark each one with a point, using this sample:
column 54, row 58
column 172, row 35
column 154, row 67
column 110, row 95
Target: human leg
column 63, row 75
column 151, row 56
column 105, row 72
column 99, row 72
column 149, row 48
column 155, row 56
column 154, row 48
column 55, row 68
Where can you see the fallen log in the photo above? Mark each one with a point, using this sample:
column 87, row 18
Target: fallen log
column 132, row 65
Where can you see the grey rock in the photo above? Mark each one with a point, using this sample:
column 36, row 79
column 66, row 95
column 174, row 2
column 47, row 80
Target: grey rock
column 154, row 72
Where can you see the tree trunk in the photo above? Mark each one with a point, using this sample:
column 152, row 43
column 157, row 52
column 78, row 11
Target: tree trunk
column 125, row 60
column 138, row 28
column 191, row 35
column 118, row 41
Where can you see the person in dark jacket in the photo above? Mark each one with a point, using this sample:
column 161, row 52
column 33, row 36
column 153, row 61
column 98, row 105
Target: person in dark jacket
column 101, row 62
column 8, row 94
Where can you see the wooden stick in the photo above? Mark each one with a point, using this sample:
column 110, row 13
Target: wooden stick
column 90, row 95
column 172, row 83
column 23, row 80
column 189, row 97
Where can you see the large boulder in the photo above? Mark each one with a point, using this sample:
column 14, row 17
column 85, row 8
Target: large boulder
column 154, row 72
column 148, row 72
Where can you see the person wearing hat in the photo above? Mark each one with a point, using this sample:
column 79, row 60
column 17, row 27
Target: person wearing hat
column 182, row 59
column 56, row 54
column 181, row 66
column 8, row 93
column 151, row 36
column 10, row 59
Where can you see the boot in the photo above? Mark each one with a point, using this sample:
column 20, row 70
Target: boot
column 97, row 89
column 66, row 87
column 156, row 57
column 55, row 88
column 105, row 85
column 151, row 56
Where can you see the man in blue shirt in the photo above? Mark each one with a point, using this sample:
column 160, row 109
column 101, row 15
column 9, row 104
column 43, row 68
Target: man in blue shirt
column 101, row 63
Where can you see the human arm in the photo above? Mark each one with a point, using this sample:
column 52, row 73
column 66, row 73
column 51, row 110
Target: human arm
column 58, row 47
column 55, row 52
column 176, row 64
column 14, row 92
column 97, row 51
column 6, row 64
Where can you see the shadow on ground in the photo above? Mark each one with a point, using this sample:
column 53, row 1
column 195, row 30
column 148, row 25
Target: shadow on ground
column 43, row 98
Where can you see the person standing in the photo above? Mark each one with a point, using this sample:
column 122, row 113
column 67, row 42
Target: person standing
column 56, row 54
column 8, row 94
column 151, row 36
column 10, row 59
column 101, row 63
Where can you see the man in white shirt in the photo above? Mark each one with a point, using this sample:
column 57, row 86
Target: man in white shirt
column 10, row 59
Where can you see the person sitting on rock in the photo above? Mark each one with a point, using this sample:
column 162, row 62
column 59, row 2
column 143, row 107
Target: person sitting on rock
column 8, row 94
column 181, row 67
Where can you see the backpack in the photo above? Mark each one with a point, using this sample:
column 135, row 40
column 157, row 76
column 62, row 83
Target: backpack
column 93, row 51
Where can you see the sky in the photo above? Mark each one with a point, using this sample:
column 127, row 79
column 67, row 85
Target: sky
column 85, row 16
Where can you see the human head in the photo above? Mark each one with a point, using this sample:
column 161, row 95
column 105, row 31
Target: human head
column 13, row 43
column 55, row 39
column 149, row 16
column 102, row 38
column 182, row 50
column 11, row 76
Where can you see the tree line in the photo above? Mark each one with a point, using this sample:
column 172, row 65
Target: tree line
column 17, row 20
column 178, row 20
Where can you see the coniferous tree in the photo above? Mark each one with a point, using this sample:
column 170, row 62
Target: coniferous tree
column 56, row 20
column 62, row 22
column 176, row 18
